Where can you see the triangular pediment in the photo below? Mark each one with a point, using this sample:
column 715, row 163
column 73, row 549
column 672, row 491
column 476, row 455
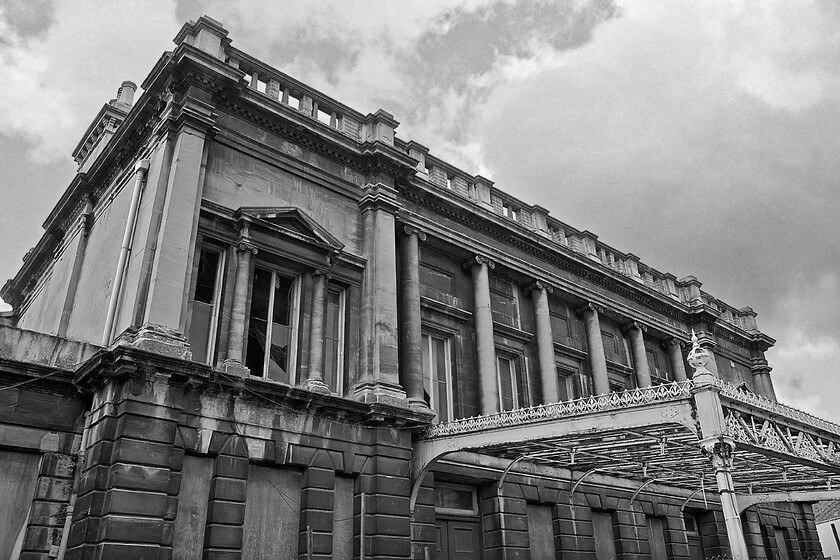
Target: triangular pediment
column 292, row 220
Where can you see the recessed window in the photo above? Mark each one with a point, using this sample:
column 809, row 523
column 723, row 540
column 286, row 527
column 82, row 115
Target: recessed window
column 206, row 304
column 513, row 386
column 273, row 325
column 437, row 284
column 334, row 339
column 503, row 302
column 572, row 384
column 455, row 499
column 437, row 375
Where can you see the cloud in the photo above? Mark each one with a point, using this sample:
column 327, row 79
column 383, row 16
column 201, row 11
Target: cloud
column 61, row 65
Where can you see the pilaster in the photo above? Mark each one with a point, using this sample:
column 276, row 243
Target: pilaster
column 226, row 501
column 316, row 513
column 504, row 520
column 378, row 345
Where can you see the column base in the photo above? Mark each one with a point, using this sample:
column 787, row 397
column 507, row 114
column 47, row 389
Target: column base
column 380, row 393
column 234, row 367
column 158, row 339
column 315, row 385
column 419, row 405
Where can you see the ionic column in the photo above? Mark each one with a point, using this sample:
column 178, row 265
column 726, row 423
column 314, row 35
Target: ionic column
column 597, row 357
column 236, row 329
column 485, row 345
column 674, row 348
column 637, row 345
column 315, row 377
column 545, row 341
column 411, row 335
column 721, row 453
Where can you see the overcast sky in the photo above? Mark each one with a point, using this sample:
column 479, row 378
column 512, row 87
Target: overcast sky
column 702, row 136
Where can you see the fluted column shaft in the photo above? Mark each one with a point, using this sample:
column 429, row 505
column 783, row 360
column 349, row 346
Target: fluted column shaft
column 637, row 346
column 316, row 327
column 676, row 358
column 238, row 311
column 411, row 334
column 545, row 342
column 597, row 357
column 485, row 345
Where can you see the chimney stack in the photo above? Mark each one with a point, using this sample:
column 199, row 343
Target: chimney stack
column 125, row 95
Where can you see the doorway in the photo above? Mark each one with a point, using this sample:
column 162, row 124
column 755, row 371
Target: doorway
column 458, row 539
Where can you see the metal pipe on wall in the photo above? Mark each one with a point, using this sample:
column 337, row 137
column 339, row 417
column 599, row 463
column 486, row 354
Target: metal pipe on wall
column 141, row 168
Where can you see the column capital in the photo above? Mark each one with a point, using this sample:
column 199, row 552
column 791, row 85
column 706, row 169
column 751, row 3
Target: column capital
column 589, row 307
column 539, row 285
column 673, row 341
column 479, row 260
column 322, row 272
column 760, row 368
column 634, row 325
column 245, row 245
column 721, row 451
column 414, row 230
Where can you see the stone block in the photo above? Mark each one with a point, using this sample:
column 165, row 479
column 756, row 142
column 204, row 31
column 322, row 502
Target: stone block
column 315, row 477
column 223, row 536
column 58, row 465
column 317, row 519
column 146, row 429
column 130, row 530
column 228, row 513
column 229, row 489
column 127, row 502
column 389, row 525
column 139, row 477
column 145, row 453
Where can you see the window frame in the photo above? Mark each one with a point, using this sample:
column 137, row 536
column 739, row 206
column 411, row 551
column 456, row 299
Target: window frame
column 516, row 317
column 212, row 341
column 294, row 313
column 341, row 336
column 428, row 334
column 519, row 379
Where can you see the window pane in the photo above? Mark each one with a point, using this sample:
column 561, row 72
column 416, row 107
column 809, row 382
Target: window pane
column 506, row 385
column 440, row 396
column 449, row 497
column 332, row 339
column 205, row 285
column 281, row 331
column 203, row 304
column 258, row 323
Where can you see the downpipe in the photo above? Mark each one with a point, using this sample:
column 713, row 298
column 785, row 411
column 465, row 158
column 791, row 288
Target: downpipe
column 141, row 168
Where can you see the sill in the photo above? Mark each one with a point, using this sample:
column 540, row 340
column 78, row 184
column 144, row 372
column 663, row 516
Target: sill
column 570, row 351
column 512, row 332
column 440, row 307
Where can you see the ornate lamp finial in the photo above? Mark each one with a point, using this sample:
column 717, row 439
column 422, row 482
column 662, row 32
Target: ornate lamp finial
column 698, row 357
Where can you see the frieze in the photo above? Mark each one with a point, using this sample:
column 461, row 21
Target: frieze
column 532, row 248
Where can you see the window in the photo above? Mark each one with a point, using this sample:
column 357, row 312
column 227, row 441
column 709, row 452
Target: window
column 455, row 499
column 437, row 284
column 513, row 387
column 273, row 325
column 613, row 348
column 503, row 302
column 659, row 373
column 510, row 212
column 437, row 375
column 572, row 384
column 205, row 305
column 334, row 339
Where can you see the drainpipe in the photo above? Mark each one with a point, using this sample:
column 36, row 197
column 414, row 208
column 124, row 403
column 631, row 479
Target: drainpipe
column 140, row 170
column 71, row 506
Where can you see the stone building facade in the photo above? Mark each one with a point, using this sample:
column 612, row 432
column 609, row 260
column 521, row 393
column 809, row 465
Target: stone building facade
column 261, row 325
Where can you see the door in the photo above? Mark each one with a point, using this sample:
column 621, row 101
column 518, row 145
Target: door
column 458, row 540
column 602, row 523
column 658, row 549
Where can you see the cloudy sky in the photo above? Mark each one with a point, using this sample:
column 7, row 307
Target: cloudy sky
column 702, row 136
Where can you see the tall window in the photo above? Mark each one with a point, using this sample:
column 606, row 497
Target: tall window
column 437, row 375
column 334, row 339
column 503, row 302
column 437, row 284
column 273, row 325
column 205, row 305
column 513, row 386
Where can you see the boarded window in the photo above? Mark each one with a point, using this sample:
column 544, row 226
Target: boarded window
column 188, row 542
column 343, row 519
column 437, row 284
column 540, row 531
column 272, row 514
column 602, row 523
column 656, row 531
column 17, row 488
column 503, row 302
